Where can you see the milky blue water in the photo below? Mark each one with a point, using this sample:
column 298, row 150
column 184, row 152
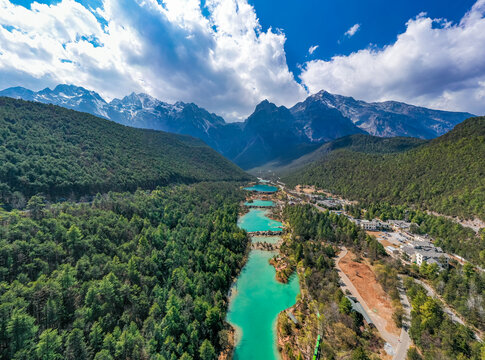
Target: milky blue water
column 254, row 308
column 262, row 188
column 256, row 220
column 259, row 202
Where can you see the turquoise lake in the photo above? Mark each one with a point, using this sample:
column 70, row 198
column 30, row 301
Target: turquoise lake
column 259, row 202
column 254, row 307
column 266, row 239
column 262, row 188
column 256, row 220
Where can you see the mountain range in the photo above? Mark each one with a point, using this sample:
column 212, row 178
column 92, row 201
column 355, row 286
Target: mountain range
column 271, row 133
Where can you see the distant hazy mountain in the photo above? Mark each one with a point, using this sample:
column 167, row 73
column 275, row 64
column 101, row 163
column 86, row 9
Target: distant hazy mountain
column 270, row 134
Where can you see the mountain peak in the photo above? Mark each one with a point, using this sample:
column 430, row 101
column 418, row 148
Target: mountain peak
column 265, row 105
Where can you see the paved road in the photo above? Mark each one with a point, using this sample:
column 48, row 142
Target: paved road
column 380, row 323
column 404, row 340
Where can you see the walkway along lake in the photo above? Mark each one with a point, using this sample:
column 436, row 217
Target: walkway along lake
column 257, row 298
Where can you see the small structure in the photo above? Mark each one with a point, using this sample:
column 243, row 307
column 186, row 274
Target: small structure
column 391, row 250
column 398, row 225
column 356, row 306
column 371, row 225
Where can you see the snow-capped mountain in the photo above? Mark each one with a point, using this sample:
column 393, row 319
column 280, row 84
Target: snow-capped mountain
column 137, row 110
column 271, row 133
column 69, row 96
column 391, row 118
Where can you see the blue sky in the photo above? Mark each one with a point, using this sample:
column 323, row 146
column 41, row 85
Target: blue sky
column 228, row 55
column 324, row 22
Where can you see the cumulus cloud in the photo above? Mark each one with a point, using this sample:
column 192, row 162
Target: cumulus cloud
column 312, row 49
column 351, row 32
column 434, row 63
column 169, row 49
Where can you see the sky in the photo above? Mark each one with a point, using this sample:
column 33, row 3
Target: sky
column 228, row 55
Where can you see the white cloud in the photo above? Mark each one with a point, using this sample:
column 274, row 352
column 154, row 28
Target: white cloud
column 433, row 63
column 351, row 32
column 312, row 49
column 225, row 62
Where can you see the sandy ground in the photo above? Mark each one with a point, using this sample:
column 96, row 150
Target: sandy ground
column 380, row 238
column 364, row 280
column 305, row 188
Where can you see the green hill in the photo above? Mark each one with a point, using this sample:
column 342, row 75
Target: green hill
column 446, row 174
column 358, row 142
column 62, row 153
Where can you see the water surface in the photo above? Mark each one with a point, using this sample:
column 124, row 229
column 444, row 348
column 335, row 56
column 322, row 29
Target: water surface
column 262, row 188
column 259, row 202
column 255, row 306
column 256, row 220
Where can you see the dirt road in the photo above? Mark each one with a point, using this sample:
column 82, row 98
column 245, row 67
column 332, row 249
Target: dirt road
column 381, row 324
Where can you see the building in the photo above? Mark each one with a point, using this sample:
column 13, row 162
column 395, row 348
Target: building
column 424, row 251
column 370, row 225
column 398, row 225
column 391, row 250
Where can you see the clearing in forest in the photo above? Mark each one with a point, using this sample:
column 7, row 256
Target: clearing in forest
column 364, row 280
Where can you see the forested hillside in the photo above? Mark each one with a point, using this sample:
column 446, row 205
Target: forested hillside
column 139, row 275
column 446, row 175
column 46, row 149
column 358, row 142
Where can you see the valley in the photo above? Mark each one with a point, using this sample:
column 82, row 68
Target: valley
column 147, row 244
column 242, row 180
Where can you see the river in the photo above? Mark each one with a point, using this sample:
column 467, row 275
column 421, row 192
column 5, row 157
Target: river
column 254, row 307
column 257, row 298
column 262, row 188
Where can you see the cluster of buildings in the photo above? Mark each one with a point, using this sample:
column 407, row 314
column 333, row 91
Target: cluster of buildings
column 372, row 225
column 416, row 251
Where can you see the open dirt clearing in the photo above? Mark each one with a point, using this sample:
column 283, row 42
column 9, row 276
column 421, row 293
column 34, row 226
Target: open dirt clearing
column 364, row 280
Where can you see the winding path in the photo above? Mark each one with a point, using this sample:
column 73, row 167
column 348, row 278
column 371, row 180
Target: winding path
column 448, row 310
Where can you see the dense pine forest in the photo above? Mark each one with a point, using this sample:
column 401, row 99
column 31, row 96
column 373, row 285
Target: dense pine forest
column 139, row 275
column 60, row 153
column 433, row 332
column 446, row 175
